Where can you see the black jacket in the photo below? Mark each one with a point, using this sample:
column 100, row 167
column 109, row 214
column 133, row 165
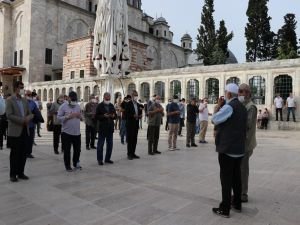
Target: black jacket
column 131, row 121
column 106, row 125
column 231, row 135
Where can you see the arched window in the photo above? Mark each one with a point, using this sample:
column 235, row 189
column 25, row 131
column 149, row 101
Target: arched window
column 131, row 87
column 78, row 90
column 159, row 89
column 63, row 91
column 34, row 90
column 234, row 80
column 71, row 89
column 175, row 88
column 56, row 93
column 45, row 95
column 96, row 90
column 40, row 93
column 51, row 93
column 283, row 85
column 145, row 91
column 258, row 89
column 212, row 90
column 192, row 89
column 87, row 93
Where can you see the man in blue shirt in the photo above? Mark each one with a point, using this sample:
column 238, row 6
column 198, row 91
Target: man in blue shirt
column 174, row 119
column 231, row 125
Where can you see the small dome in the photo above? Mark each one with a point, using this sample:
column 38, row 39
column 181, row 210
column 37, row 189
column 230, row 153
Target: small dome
column 161, row 20
column 186, row 37
column 231, row 59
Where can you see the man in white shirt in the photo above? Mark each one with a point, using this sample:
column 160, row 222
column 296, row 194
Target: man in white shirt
column 291, row 106
column 203, row 118
column 278, row 102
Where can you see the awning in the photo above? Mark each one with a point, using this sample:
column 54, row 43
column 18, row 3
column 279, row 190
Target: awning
column 13, row 70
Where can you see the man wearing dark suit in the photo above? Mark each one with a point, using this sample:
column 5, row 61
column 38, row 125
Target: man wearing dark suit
column 18, row 116
column 231, row 126
column 133, row 112
column 105, row 114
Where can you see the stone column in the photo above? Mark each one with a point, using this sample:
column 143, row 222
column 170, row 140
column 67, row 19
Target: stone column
column 202, row 85
column 183, row 88
column 167, row 90
column 269, row 90
column 222, row 84
column 152, row 86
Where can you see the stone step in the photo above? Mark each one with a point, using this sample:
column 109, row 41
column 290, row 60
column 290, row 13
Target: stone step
column 283, row 125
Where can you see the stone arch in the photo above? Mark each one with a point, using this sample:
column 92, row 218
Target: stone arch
column 78, row 91
column 87, row 93
column 76, row 29
column 40, row 93
column 140, row 60
column 192, row 89
column 45, row 95
column 71, row 89
column 63, row 91
column 131, row 87
column 50, row 93
column 145, row 91
column 159, row 89
column 212, row 90
column 56, row 93
column 117, row 96
column 175, row 88
column 96, row 90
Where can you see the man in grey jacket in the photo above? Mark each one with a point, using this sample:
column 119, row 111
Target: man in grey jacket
column 245, row 98
column 18, row 116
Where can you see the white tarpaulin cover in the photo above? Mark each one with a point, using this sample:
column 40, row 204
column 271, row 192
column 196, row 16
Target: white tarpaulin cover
column 111, row 46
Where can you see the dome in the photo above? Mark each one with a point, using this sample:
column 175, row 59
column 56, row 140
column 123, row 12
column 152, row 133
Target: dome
column 161, row 20
column 186, row 37
column 231, row 59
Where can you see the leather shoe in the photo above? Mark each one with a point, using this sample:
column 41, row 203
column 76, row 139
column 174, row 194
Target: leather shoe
column 187, row 145
column 13, row 179
column 157, row 152
column 130, row 158
column 194, row 145
column 100, row 163
column 93, row 147
column 135, row 156
column 150, row 153
column 23, row 177
column 109, row 162
column 30, row 156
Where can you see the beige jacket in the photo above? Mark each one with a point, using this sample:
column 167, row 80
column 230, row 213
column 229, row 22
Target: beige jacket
column 14, row 116
column 251, row 126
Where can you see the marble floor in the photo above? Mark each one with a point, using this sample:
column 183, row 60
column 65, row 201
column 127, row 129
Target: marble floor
column 174, row 188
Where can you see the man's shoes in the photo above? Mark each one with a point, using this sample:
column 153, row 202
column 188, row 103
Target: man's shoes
column 157, row 152
column 171, row 149
column 1, row 147
column 129, row 157
column 188, row 145
column 109, row 161
column 244, row 198
column 236, row 208
column 78, row 167
column 203, row 142
column 122, row 142
column 220, row 212
column 56, row 152
column 30, row 156
column 176, row 149
column 88, row 148
column 69, row 169
column 14, row 179
column 100, row 163
column 93, row 147
column 39, row 135
column 135, row 156
column 150, row 153
column 23, row 177
column 34, row 143
column 194, row 145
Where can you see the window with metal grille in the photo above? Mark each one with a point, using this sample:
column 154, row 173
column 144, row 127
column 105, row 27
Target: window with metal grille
column 21, row 57
column 234, row 80
column 131, row 87
column 145, row 91
column 175, row 88
column 258, row 89
column 15, row 58
column 283, row 85
column 212, row 90
column 159, row 89
column 193, row 89
column 81, row 74
column 72, row 74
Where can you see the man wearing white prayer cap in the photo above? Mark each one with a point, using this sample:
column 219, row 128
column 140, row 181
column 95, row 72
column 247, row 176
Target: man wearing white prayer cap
column 230, row 139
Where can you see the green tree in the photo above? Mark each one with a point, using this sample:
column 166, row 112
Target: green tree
column 212, row 45
column 258, row 32
column 207, row 33
column 287, row 38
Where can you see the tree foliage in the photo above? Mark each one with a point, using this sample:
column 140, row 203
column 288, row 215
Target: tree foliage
column 212, row 45
column 287, row 38
column 258, row 32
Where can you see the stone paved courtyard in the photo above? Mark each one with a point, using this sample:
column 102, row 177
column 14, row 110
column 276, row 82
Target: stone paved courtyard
column 175, row 188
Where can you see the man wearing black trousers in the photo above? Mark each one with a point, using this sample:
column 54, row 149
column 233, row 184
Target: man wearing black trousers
column 133, row 112
column 231, row 126
column 18, row 116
